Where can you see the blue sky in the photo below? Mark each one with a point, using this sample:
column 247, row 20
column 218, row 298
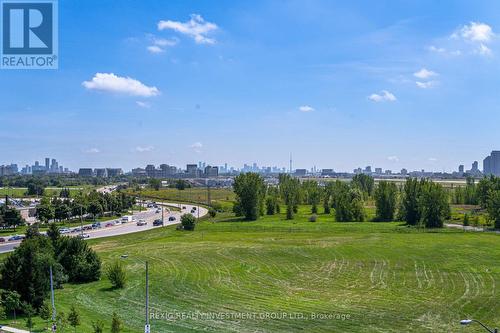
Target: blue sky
column 390, row 84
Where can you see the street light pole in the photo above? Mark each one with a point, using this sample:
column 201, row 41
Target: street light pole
column 147, row 328
column 470, row 321
column 52, row 296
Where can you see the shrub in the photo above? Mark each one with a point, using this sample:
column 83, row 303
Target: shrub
column 212, row 212
column 116, row 274
column 313, row 218
column 188, row 222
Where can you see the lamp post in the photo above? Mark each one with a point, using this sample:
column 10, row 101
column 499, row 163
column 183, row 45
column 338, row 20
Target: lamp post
column 147, row 327
column 465, row 322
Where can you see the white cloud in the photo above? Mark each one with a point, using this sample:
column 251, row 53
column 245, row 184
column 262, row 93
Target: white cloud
column 424, row 74
column 426, row 85
column 443, row 51
column 141, row 149
column 197, row 146
column 437, row 49
column 110, row 82
column 432, row 159
column 196, row 28
column 160, row 44
column 483, row 50
column 393, row 158
column 155, row 49
column 306, row 108
column 384, row 96
column 92, row 151
column 142, row 104
column 476, row 32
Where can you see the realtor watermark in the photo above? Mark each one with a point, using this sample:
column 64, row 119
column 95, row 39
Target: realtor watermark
column 198, row 315
column 29, row 34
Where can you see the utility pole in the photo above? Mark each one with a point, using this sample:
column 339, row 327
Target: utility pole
column 209, row 200
column 162, row 218
column 81, row 220
column 147, row 328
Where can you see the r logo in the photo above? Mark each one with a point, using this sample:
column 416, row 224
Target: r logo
column 29, row 29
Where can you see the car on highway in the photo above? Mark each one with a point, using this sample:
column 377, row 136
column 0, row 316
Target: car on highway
column 96, row 225
column 83, row 236
column 158, row 211
column 2, row 240
column 141, row 222
column 183, row 207
column 15, row 238
column 157, row 223
column 64, row 231
column 171, row 218
column 109, row 224
column 126, row 219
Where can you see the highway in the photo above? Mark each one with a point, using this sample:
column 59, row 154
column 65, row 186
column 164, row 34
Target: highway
column 149, row 215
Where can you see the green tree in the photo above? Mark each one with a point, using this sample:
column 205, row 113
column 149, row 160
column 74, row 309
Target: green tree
column 3, row 312
column 466, row 222
column 188, row 222
column 95, row 208
column 434, row 205
column 385, row 201
column 290, row 192
column 11, row 217
column 327, row 196
column 62, row 321
column 98, row 326
column 12, row 301
column 250, row 191
column 116, row 274
column 26, row 270
column 116, row 324
column 35, row 187
column 312, row 194
column 155, row 184
column 212, row 212
column 45, row 312
column 348, row 203
column 364, row 183
column 53, row 233
column 29, row 312
column 80, row 262
column 45, row 211
column 409, row 208
column 493, row 207
column 74, row 317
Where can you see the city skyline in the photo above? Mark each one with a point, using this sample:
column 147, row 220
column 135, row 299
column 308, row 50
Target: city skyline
column 51, row 166
column 344, row 85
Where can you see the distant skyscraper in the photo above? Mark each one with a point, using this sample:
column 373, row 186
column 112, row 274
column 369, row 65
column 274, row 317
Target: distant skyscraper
column 47, row 163
column 461, row 168
column 491, row 164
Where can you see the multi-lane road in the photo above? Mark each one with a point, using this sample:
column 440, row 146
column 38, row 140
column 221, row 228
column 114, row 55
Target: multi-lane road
column 149, row 215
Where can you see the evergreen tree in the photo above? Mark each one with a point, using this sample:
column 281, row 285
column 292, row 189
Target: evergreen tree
column 74, row 317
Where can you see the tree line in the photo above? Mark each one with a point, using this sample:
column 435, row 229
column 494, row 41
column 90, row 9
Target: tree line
column 25, row 273
column 93, row 203
column 418, row 202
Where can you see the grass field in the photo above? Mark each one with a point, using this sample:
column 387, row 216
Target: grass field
column 224, row 197
column 384, row 276
column 19, row 192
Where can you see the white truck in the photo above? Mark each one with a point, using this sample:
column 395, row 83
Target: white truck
column 126, row 218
